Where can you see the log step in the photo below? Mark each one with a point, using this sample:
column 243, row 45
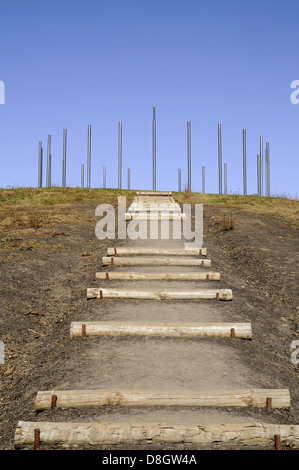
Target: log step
column 47, row 400
column 127, row 276
column 154, row 216
column 203, row 294
column 152, row 260
column 156, row 251
column 171, row 330
column 108, row 433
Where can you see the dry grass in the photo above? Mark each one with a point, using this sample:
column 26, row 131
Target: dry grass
column 228, row 221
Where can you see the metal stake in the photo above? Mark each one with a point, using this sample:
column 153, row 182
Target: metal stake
column 154, row 148
column 244, row 164
column 258, row 176
column 267, row 170
column 225, row 178
column 49, row 162
column 40, row 165
column 220, row 158
column 189, row 154
column 119, row 153
column 64, row 159
column 89, row 156
column 261, row 166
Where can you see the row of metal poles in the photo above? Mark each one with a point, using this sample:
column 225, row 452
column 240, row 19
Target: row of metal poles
column 260, row 163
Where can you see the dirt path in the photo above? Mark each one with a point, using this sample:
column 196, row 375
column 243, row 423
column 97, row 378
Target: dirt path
column 44, row 289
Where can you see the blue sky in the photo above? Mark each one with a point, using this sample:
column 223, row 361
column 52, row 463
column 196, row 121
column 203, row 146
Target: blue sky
column 70, row 63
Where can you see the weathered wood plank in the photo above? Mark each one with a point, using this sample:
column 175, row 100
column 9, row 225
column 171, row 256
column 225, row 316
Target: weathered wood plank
column 203, row 294
column 138, row 276
column 109, row 433
column 89, row 398
column 191, row 330
column 154, row 260
column 122, row 251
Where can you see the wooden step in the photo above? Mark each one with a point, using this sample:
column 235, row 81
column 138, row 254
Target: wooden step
column 123, row 251
column 169, row 330
column 259, row 398
column 37, row 434
column 203, row 294
column 154, row 260
column 137, row 276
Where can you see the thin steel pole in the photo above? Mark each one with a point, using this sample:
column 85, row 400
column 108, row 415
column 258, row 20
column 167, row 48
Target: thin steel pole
column 244, row 164
column 261, row 166
column 40, row 165
column 189, row 153
column 119, row 153
column 258, row 176
column 64, row 158
column 89, row 156
column 129, row 178
column 220, row 158
column 49, row 162
column 225, row 178
column 203, row 177
column 180, row 180
column 82, row 175
column 267, row 169
column 104, row 177
column 154, row 148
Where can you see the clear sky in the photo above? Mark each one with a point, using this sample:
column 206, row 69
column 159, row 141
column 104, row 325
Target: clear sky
column 70, row 63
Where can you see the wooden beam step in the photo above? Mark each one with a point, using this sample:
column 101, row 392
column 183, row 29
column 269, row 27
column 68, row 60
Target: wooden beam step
column 203, row 294
column 154, row 216
column 121, row 251
column 154, row 260
column 137, row 276
column 29, row 434
column 170, row 330
column 259, row 398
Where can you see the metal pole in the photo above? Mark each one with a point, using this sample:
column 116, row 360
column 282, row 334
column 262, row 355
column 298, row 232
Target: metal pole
column 89, row 156
column 129, row 178
column 189, row 154
column 244, row 164
column 40, row 165
column 225, row 178
column 82, row 175
column 119, row 153
column 220, row 158
column 180, row 180
column 258, row 176
column 154, row 148
column 261, row 166
column 49, row 163
column 267, row 169
column 203, row 176
column 64, row 159
column 104, row 177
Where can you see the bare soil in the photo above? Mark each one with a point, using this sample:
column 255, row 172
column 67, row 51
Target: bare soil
column 44, row 276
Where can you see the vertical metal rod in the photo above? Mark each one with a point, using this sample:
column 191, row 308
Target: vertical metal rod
column 180, row 180
column 64, row 159
column 154, row 148
column 49, row 162
column 244, row 164
column 129, row 178
column 82, row 175
column 220, row 158
column 104, row 177
column 89, row 156
column 225, row 178
column 258, row 176
column 261, row 166
column 119, row 153
column 40, row 165
column 189, row 154
column 203, row 177
column 267, row 170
